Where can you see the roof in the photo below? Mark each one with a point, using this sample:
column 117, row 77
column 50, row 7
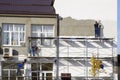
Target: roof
column 27, row 7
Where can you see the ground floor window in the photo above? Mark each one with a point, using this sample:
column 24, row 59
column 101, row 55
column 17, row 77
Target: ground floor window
column 36, row 71
column 10, row 74
column 9, row 71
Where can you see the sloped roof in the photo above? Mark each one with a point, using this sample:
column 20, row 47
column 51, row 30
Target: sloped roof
column 27, row 7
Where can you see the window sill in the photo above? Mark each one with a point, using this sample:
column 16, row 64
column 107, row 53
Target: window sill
column 11, row 45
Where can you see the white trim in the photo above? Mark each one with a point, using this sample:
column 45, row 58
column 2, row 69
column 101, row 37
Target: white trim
column 14, row 31
column 42, row 31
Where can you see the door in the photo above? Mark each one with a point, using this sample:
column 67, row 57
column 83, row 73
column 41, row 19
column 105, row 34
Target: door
column 46, row 76
column 42, row 71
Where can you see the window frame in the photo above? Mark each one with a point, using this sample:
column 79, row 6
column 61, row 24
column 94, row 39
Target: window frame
column 45, row 33
column 13, row 31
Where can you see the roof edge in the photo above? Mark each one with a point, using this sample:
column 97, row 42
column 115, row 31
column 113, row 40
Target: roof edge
column 26, row 15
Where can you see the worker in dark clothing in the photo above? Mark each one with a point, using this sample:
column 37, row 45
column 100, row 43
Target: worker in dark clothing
column 96, row 29
column 19, row 67
column 32, row 52
column 99, row 29
column 102, row 66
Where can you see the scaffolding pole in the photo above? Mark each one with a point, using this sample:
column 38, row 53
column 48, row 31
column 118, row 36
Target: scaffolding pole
column 57, row 50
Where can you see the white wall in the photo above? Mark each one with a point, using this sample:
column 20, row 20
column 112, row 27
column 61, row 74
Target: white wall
column 110, row 29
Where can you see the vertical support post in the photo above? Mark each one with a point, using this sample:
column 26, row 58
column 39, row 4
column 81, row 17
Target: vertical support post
column 112, row 60
column 86, row 61
column 68, row 60
column 37, row 69
column 98, row 56
column 0, row 70
column 57, row 49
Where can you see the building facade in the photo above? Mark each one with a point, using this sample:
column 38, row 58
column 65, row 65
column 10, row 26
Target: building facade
column 27, row 24
column 20, row 21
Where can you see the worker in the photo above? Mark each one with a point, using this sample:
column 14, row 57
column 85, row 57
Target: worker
column 96, row 29
column 33, row 50
column 20, row 66
column 102, row 66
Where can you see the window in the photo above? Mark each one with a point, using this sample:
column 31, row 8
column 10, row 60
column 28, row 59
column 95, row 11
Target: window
column 42, row 31
column 47, row 66
column 42, row 71
column 9, row 71
column 13, row 34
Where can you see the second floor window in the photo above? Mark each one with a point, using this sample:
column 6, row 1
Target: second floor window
column 43, row 31
column 13, row 34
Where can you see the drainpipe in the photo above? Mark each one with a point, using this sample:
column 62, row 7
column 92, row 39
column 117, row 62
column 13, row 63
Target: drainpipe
column 57, row 46
column 0, row 52
column 0, row 36
column 57, row 49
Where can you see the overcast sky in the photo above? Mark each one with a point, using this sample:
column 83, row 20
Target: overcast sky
column 118, row 27
column 87, row 9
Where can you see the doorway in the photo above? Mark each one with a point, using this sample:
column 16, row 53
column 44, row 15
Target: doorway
column 42, row 71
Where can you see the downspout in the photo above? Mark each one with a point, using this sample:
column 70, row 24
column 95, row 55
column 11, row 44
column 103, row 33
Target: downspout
column 0, row 37
column 1, row 52
column 57, row 49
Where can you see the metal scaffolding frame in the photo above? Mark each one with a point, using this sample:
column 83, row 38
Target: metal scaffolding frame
column 86, row 57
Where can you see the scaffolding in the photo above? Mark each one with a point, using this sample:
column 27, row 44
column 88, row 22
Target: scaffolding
column 90, row 46
column 74, row 58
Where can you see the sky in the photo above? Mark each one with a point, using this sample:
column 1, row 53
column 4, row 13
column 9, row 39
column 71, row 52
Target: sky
column 87, row 9
column 118, row 25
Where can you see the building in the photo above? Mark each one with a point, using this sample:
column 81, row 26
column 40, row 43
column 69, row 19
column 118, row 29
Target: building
column 63, row 55
column 21, row 20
